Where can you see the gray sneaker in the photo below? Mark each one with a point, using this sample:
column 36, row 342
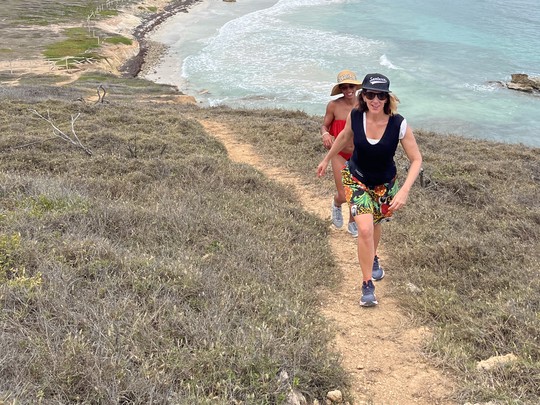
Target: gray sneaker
column 353, row 229
column 377, row 272
column 368, row 295
column 337, row 216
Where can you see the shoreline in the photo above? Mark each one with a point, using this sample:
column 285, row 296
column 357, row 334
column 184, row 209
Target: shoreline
column 120, row 60
column 181, row 38
column 248, row 76
column 152, row 58
column 133, row 66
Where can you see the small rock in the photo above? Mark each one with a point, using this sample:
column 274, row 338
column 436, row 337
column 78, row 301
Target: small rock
column 335, row 396
column 495, row 361
column 283, row 377
column 295, row 397
column 523, row 82
column 413, row 288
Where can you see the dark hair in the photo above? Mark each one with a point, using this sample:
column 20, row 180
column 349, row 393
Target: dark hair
column 390, row 107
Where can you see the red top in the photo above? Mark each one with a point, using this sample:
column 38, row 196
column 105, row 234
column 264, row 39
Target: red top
column 335, row 129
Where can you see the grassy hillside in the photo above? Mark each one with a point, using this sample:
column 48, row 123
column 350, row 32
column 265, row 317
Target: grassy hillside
column 156, row 269
column 28, row 28
column 464, row 254
column 153, row 269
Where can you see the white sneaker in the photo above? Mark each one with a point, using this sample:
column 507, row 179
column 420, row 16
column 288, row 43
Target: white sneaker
column 337, row 216
column 353, row 229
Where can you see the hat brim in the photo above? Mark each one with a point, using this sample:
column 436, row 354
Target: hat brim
column 375, row 89
column 336, row 90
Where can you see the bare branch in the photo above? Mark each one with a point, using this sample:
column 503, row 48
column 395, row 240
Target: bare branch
column 32, row 143
column 59, row 133
column 101, row 98
column 73, row 119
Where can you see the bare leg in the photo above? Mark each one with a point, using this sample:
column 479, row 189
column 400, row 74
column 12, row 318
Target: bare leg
column 366, row 245
column 337, row 164
column 377, row 232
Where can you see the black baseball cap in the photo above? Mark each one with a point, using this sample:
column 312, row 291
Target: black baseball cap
column 376, row 82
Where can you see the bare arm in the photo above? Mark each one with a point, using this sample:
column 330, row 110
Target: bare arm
column 415, row 158
column 344, row 138
column 329, row 116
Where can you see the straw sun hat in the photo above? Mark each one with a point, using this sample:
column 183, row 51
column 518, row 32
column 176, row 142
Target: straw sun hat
column 343, row 77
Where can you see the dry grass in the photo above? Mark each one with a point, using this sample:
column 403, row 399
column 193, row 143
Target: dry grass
column 469, row 241
column 154, row 271
column 28, row 28
column 463, row 256
column 157, row 271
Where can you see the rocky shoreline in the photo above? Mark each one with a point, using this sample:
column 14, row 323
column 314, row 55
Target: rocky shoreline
column 149, row 52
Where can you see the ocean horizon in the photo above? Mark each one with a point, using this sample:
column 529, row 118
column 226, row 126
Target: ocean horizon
column 445, row 60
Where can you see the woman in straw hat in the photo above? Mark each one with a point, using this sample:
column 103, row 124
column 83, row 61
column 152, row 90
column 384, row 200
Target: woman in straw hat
column 334, row 121
column 369, row 177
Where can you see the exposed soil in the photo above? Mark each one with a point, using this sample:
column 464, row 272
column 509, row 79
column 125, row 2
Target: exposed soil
column 379, row 346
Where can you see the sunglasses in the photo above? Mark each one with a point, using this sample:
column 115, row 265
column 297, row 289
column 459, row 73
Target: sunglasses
column 370, row 95
column 347, row 86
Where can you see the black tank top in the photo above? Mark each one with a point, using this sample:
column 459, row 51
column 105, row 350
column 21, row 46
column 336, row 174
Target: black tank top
column 374, row 164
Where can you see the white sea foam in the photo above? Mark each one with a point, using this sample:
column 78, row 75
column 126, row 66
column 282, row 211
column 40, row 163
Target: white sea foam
column 444, row 59
column 486, row 87
column 292, row 57
column 386, row 63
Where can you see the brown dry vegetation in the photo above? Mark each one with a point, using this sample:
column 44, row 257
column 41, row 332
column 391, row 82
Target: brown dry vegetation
column 29, row 27
column 465, row 253
column 154, row 270
column 158, row 271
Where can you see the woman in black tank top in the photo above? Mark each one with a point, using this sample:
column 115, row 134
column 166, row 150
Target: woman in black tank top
column 370, row 176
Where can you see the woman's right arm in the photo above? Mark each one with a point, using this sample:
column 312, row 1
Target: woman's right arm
column 327, row 138
column 344, row 137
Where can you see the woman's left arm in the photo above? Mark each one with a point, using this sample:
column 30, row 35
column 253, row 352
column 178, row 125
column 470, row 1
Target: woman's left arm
column 415, row 158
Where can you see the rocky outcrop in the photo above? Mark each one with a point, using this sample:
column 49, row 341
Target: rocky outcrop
column 522, row 82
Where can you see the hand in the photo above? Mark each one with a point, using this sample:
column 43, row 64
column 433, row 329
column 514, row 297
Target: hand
column 321, row 169
column 399, row 200
column 327, row 140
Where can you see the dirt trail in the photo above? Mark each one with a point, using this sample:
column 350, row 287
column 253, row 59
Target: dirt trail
column 380, row 348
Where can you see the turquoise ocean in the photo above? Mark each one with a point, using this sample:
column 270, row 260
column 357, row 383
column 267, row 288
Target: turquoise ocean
column 445, row 59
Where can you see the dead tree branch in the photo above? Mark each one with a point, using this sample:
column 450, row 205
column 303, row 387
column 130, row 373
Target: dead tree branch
column 74, row 139
column 101, row 98
column 32, row 143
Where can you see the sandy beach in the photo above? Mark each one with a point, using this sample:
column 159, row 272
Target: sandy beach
column 149, row 52
column 133, row 21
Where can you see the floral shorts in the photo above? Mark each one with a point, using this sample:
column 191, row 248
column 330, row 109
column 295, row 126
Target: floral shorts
column 365, row 200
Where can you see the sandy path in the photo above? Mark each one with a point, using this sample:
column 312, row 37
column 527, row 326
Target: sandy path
column 380, row 348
